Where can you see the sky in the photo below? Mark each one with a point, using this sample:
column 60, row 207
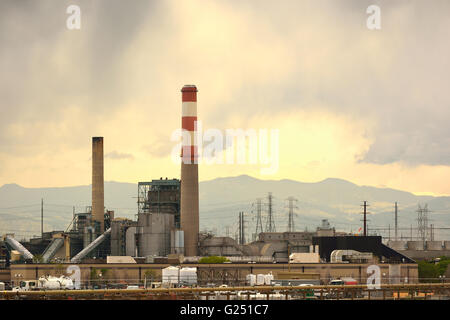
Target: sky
column 368, row 106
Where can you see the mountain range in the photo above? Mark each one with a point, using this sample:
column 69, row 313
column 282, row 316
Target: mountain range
column 222, row 199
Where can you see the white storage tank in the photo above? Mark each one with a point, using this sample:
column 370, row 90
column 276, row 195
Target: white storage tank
column 251, row 279
column 447, row 245
column 268, row 279
column 170, row 275
column 188, row 276
column 260, row 279
column 415, row 245
column 434, row 245
column 398, row 245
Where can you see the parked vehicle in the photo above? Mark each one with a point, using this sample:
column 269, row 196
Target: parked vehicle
column 347, row 281
column 45, row 283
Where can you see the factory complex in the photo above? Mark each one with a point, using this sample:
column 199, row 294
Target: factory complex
column 105, row 250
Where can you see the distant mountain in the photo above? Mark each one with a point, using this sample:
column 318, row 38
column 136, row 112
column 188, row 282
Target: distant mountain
column 222, row 199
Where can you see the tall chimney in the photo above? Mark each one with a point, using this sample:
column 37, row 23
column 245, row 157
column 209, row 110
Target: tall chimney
column 98, row 201
column 189, row 215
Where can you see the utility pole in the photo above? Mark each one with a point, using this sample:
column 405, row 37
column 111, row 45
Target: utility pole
column 396, row 222
column 270, row 227
column 42, row 218
column 365, row 205
column 291, row 226
column 241, row 228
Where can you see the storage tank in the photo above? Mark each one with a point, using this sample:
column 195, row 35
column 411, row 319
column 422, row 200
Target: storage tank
column 447, row 245
column 398, row 245
column 170, row 275
column 268, row 279
column 415, row 245
column 251, row 279
column 434, row 245
column 188, row 276
column 260, row 279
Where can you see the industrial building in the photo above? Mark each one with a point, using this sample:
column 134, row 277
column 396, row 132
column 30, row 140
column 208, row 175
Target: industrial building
column 167, row 231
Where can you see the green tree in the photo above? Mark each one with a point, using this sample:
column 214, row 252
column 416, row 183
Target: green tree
column 428, row 272
column 213, row 259
column 38, row 258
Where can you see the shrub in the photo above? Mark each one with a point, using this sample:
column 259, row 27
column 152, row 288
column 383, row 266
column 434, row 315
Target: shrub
column 213, row 259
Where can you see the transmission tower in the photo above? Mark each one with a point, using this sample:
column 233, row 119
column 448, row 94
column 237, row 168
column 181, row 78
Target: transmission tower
column 422, row 222
column 259, row 227
column 270, row 226
column 291, row 225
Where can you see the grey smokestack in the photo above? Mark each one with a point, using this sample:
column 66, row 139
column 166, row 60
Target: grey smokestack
column 98, row 200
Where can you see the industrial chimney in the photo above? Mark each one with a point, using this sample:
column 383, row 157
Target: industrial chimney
column 98, row 205
column 189, row 215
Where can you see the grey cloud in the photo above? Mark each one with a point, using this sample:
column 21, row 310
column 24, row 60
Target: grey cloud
column 405, row 88
column 46, row 68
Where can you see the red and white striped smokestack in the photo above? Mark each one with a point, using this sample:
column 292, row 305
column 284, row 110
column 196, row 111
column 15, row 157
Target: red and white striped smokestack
column 189, row 212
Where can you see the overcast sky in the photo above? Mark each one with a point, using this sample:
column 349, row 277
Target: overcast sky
column 369, row 106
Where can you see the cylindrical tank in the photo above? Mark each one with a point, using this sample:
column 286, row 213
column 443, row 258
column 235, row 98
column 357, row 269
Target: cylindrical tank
column 415, row 245
column 189, row 206
column 398, row 245
column 251, row 279
column 447, row 245
column 434, row 245
column 260, row 279
column 188, row 276
column 170, row 275
column 268, row 279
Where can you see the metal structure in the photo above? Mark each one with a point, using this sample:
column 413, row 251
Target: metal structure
column 422, row 222
column 98, row 196
column 189, row 204
column 241, row 228
column 90, row 247
column 365, row 229
column 16, row 245
column 396, row 222
column 421, row 291
column 291, row 225
column 160, row 196
column 270, row 226
column 259, row 227
column 52, row 248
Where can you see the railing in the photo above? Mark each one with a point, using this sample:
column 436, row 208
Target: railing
column 353, row 292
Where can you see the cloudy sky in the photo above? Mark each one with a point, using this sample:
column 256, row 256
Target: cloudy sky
column 369, row 106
